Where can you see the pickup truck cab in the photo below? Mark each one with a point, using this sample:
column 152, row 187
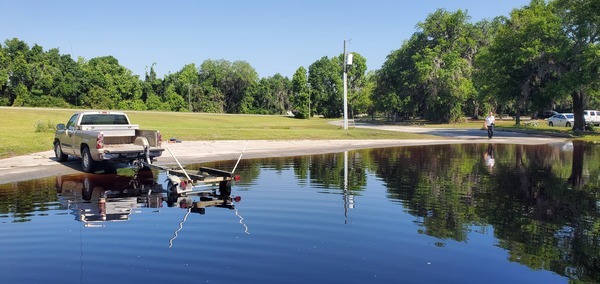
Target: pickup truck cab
column 97, row 136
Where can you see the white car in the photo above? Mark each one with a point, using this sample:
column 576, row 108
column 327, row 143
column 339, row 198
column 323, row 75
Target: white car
column 561, row 119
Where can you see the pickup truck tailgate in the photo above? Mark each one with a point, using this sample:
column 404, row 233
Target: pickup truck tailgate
column 127, row 148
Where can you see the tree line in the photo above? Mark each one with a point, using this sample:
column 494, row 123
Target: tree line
column 543, row 56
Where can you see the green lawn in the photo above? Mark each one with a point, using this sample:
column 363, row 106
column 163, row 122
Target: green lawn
column 29, row 130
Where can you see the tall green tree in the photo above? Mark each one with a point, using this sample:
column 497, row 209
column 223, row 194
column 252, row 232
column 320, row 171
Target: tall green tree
column 211, row 75
column 241, row 77
column 580, row 58
column 232, row 80
column 47, row 72
column 4, row 77
column 432, row 72
column 300, row 94
column 19, row 76
column 444, row 63
column 271, row 95
column 356, row 82
column 152, row 86
column 174, row 101
column 360, row 98
column 520, row 62
column 187, row 84
column 107, row 83
column 483, row 101
column 397, row 89
column 326, row 87
column 68, row 85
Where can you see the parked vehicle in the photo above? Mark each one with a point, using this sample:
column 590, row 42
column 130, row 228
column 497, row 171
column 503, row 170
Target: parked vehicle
column 545, row 115
column 561, row 119
column 105, row 136
column 592, row 116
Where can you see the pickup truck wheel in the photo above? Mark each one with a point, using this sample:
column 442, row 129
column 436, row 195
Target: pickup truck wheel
column 60, row 156
column 87, row 163
column 568, row 124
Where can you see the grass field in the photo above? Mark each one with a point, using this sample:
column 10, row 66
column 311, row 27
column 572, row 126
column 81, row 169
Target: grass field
column 30, row 130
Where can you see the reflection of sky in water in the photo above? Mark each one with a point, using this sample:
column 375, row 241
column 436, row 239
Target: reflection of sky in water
column 413, row 214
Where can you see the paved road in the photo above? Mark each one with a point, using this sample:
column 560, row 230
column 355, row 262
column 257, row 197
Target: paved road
column 519, row 137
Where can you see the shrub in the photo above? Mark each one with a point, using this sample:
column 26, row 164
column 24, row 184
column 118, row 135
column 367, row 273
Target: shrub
column 47, row 126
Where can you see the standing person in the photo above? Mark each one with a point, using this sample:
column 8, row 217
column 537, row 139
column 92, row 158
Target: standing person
column 489, row 123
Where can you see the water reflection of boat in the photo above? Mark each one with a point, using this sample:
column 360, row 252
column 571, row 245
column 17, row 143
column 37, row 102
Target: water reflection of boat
column 108, row 197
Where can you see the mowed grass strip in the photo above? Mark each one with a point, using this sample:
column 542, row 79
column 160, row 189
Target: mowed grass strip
column 29, row 130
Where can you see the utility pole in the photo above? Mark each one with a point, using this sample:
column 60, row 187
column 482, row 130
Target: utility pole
column 347, row 61
column 345, row 90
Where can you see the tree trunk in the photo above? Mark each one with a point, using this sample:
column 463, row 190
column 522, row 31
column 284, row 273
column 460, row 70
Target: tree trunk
column 577, row 97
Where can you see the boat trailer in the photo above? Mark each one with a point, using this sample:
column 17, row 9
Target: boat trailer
column 212, row 185
column 204, row 183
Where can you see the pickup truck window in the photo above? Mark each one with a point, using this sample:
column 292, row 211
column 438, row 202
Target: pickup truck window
column 96, row 119
column 71, row 123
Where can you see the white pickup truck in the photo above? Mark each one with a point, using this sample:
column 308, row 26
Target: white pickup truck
column 97, row 136
column 591, row 117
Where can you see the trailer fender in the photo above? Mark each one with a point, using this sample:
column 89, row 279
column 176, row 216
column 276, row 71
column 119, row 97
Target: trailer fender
column 178, row 186
column 141, row 141
column 174, row 180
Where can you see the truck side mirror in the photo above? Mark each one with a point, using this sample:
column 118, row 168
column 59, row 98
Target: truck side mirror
column 60, row 126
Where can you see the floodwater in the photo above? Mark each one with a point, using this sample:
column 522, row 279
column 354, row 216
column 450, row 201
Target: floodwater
column 432, row 214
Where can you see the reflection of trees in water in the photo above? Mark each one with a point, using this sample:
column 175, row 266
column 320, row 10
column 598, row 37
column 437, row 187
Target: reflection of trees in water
column 322, row 170
column 327, row 170
column 576, row 177
column 18, row 200
column 436, row 183
column 539, row 218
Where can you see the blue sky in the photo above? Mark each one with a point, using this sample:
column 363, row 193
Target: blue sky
column 273, row 36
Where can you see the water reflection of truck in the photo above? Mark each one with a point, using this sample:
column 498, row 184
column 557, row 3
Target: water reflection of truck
column 105, row 136
column 95, row 199
column 100, row 198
